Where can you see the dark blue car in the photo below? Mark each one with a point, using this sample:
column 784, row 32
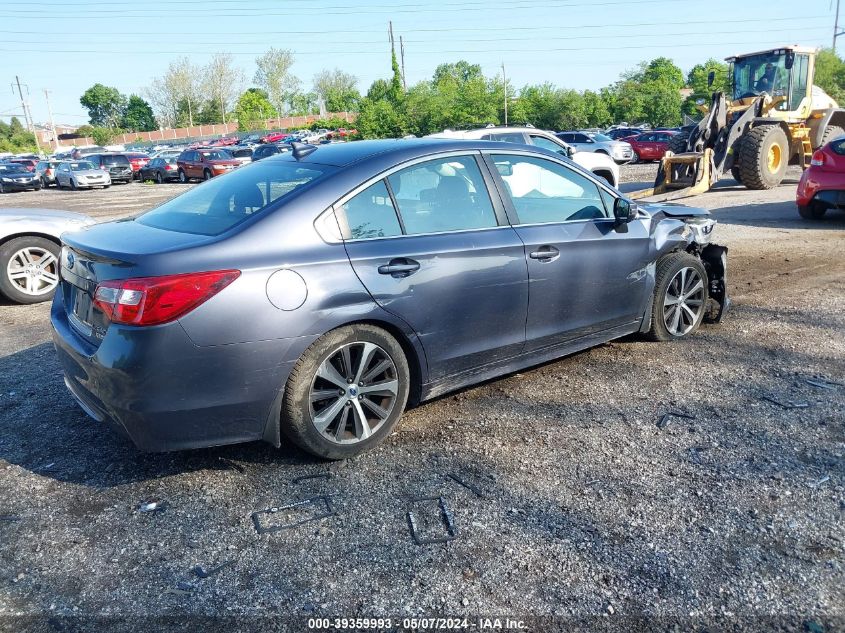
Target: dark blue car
column 313, row 295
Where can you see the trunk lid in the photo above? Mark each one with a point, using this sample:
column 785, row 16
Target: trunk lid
column 113, row 250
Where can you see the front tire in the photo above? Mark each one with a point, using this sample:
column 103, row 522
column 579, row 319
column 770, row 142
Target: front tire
column 346, row 393
column 73, row 185
column 206, row 175
column 159, row 179
column 763, row 157
column 29, row 269
column 183, row 177
column 680, row 297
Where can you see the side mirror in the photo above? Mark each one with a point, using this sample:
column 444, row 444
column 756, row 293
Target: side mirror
column 623, row 211
column 711, row 77
column 790, row 60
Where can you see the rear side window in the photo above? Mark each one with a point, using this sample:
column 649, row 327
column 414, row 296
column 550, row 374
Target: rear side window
column 508, row 137
column 371, row 214
column 447, row 194
column 838, row 146
column 222, row 203
column 544, row 192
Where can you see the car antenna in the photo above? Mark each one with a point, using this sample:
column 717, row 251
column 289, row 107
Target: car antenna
column 301, row 150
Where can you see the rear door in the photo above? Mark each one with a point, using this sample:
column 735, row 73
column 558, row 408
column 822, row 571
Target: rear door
column 584, row 275
column 433, row 248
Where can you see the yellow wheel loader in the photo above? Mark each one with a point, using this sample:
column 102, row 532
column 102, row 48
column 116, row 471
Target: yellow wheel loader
column 775, row 117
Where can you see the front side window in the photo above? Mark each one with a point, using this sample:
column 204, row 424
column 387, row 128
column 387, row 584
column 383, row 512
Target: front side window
column 446, row 194
column 543, row 191
column 222, row 203
column 371, row 214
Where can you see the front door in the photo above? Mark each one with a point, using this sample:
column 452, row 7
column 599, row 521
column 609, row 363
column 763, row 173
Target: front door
column 431, row 248
column 584, row 275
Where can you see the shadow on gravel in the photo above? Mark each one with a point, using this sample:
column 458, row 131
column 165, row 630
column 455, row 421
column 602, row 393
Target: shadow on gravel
column 778, row 215
column 43, row 430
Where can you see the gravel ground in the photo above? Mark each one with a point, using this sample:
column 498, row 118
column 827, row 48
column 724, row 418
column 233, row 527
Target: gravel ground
column 567, row 497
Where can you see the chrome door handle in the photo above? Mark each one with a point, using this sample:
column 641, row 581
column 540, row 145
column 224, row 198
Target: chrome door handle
column 399, row 267
column 545, row 253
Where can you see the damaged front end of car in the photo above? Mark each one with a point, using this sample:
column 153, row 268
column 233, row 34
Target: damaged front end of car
column 676, row 227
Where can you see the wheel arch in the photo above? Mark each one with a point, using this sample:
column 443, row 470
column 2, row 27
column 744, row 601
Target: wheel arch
column 607, row 175
column 46, row 236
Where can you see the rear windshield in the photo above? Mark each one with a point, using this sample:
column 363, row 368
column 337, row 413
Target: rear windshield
column 838, row 146
column 118, row 159
column 81, row 166
column 224, row 202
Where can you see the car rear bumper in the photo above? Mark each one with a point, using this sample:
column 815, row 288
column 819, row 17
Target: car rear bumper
column 163, row 392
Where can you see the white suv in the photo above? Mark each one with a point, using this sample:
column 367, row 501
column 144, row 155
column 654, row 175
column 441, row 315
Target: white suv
column 601, row 165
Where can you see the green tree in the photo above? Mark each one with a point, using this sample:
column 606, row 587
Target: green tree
column 253, row 109
column 15, row 126
column 337, row 89
column 397, row 88
column 380, row 119
column 697, row 81
column 14, row 138
column 273, row 75
column 830, row 74
column 138, row 116
column 379, row 89
column 105, row 105
column 103, row 135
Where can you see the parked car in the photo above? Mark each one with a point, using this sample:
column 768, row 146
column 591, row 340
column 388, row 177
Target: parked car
column 601, row 165
column 46, row 170
column 30, row 249
column 240, row 153
column 268, row 149
column 650, row 145
column 81, row 152
column 137, row 160
column 204, row 164
column 117, row 165
column 274, row 137
column 624, row 133
column 79, row 174
column 28, row 163
column 822, row 185
column 168, row 153
column 620, row 151
column 312, row 295
column 16, row 177
column 160, row 169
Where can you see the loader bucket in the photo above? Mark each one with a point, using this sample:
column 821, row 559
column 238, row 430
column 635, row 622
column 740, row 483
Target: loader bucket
column 681, row 175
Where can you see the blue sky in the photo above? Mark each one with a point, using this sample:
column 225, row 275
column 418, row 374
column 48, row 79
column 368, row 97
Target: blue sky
column 68, row 45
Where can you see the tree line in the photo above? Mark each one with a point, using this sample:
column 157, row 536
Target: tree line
column 457, row 95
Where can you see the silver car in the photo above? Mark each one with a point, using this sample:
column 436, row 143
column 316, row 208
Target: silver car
column 619, row 151
column 81, row 173
column 29, row 251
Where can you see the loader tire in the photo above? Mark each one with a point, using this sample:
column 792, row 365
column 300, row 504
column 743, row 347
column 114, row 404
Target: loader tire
column 678, row 143
column 763, row 157
column 736, row 174
column 830, row 132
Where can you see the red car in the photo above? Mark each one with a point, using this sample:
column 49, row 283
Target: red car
column 650, row 145
column 204, row 164
column 274, row 137
column 822, row 185
column 137, row 161
column 26, row 162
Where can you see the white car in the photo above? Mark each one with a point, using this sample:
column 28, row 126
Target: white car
column 601, row 165
column 81, row 173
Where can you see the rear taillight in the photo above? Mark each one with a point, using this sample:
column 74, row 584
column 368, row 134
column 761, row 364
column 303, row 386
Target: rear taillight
column 169, row 167
column 157, row 300
column 818, row 158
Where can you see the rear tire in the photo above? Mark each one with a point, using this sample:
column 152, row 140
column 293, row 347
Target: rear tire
column 159, row 179
column 831, row 132
column 673, row 319
column 183, row 177
column 301, row 411
column 763, row 157
column 735, row 172
column 10, row 258
column 812, row 211
column 207, row 175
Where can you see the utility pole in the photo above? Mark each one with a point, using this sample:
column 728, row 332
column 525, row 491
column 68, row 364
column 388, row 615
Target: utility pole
column 390, row 32
column 402, row 54
column 505, row 81
column 52, row 123
column 30, row 122
column 836, row 30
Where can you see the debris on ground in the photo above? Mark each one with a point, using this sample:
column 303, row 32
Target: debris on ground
column 469, row 486
column 425, row 523
column 152, row 505
column 789, row 404
column 201, row 572
column 664, row 419
column 292, row 515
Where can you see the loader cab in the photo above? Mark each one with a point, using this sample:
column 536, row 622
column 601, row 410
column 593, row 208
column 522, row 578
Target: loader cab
column 783, row 74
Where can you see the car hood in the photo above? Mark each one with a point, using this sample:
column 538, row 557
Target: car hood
column 90, row 172
column 672, row 209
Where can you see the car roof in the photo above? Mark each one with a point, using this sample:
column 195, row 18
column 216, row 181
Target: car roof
column 344, row 154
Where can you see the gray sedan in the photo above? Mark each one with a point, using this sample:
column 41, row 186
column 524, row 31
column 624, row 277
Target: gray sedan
column 619, row 151
column 78, row 174
column 29, row 251
column 309, row 297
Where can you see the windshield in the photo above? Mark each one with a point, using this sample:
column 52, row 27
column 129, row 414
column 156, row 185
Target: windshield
column 220, row 204
column 599, row 137
column 216, row 155
column 81, row 166
column 761, row 73
column 15, row 167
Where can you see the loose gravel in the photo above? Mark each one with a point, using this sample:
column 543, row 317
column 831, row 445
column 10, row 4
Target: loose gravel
column 566, row 496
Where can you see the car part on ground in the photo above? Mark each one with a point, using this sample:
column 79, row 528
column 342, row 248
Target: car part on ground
column 29, row 251
column 373, row 274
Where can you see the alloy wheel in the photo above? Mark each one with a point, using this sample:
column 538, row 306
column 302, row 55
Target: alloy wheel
column 353, row 392
column 683, row 302
column 33, row 270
